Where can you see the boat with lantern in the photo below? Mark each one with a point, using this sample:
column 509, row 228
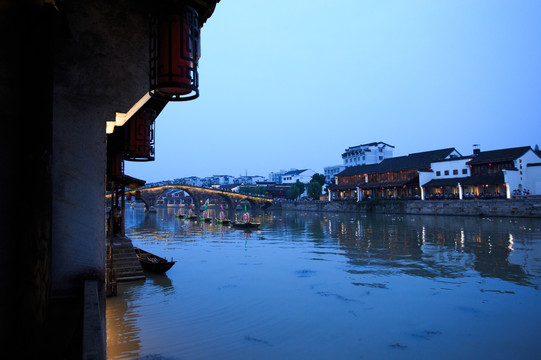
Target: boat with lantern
column 205, row 216
column 221, row 219
column 190, row 215
column 246, row 222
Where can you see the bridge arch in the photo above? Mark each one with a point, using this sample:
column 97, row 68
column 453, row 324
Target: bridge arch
column 150, row 195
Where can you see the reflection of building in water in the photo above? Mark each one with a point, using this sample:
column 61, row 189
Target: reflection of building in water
column 445, row 247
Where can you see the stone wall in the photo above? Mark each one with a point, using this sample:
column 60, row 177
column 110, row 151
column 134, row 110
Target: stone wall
column 484, row 208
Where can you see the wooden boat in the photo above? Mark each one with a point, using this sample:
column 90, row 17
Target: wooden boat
column 244, row 225
column 223, row 221
column 221, row 217
column 153, row 262
column 205, row 217
column 246, row 222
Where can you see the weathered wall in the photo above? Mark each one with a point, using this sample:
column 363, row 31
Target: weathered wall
column 100, row 68
column 512, row 208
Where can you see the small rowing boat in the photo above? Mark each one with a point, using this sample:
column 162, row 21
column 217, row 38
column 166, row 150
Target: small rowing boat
column 153, row 262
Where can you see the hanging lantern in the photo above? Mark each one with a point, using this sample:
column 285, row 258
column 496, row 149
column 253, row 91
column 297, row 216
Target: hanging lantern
column 139, row 136
column 174, row 55
column 115, row 166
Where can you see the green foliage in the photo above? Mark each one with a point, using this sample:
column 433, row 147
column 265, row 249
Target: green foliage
column 314, row 189
column 295, row 191
column 320, row 178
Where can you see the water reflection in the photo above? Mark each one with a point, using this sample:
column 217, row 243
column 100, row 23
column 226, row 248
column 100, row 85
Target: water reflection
column 436, row 246
column 307, row 285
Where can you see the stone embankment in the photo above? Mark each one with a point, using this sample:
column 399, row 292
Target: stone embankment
column 530, row 208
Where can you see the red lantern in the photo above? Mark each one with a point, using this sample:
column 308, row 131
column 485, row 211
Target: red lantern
column 174, row 55
column 138, row 195
column 140, row 136
column 115, row 166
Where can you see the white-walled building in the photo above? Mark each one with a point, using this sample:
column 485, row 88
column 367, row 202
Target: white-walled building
column 249, row 179
column 331, row 171
column 366, row 154
column 304, row 176
column 487, row 174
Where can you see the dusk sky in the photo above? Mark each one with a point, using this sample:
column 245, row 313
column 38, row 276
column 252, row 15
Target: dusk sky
column 292, row 83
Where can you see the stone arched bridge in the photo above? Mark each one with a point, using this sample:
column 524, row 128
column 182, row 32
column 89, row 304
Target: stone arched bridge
column 198, row 194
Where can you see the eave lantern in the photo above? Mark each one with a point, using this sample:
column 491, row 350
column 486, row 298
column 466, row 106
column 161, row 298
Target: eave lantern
column 115, row 166
column 139, row 136
column 115, row 158
column 174, row 55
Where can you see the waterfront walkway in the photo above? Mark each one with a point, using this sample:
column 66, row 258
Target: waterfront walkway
column 530, row 208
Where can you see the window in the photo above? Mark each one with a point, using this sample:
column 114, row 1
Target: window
column 438, row 173
column 465, row 171
column 455, row 172
column 446, row 172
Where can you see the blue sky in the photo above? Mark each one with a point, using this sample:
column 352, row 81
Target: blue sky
column 292, row 83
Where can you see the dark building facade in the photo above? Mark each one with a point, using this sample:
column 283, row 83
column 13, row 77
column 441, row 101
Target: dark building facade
column 68, row 67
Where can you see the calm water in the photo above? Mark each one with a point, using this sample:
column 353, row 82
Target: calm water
column 332, row 286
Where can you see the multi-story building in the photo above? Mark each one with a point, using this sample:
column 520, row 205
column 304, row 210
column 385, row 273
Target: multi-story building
column 366, row 154
column 396, row 177
column 331, row 171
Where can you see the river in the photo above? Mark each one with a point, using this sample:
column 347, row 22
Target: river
column 332, row 286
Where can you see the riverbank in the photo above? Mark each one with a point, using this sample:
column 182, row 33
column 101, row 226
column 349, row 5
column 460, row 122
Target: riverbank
column 530, row 208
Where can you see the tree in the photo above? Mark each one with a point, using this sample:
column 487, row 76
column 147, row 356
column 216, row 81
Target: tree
column 295, row 191
column 314, row 189
column 320, row 178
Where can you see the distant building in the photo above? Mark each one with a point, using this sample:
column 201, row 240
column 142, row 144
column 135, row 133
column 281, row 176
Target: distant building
column 276, row 177
column 291, row 177
column 249, row 179
column 331, row 171
column 222, row 180
column 366, row 154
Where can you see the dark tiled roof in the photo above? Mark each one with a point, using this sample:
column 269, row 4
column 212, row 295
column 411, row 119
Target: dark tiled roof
column 295, row 172
column 502, row 155
column 370, row 144
column 415, row 161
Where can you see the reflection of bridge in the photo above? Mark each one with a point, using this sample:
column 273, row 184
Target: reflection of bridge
column 198, row 194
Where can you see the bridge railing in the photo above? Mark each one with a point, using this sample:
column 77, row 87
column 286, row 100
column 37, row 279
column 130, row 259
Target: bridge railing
column 147, row 187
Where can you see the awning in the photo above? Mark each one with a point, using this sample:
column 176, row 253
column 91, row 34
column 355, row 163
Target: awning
column 133, row 183
column 485, row 180
column 376, row 185
column 446, row 182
